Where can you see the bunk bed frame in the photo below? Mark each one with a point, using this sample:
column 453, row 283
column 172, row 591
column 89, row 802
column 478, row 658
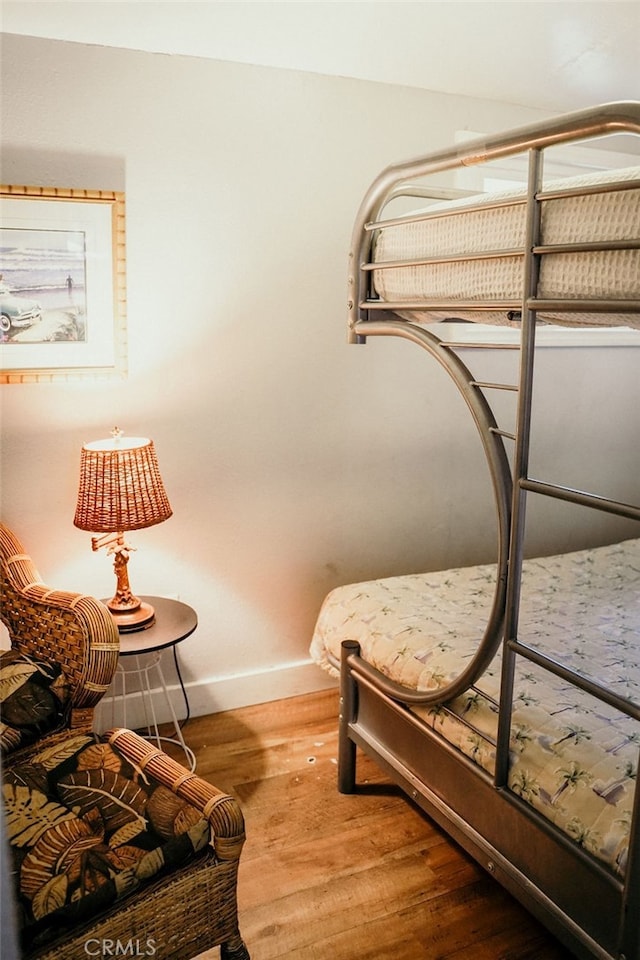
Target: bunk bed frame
column 591, row 911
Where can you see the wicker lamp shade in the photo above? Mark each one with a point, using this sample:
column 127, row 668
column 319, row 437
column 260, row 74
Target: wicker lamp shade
column 120, row 486
column 121, row 489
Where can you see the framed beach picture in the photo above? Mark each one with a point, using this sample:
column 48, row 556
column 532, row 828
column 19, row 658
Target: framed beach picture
column 62, row 284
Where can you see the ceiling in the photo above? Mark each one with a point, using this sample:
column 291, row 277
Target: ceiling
column 553, row 55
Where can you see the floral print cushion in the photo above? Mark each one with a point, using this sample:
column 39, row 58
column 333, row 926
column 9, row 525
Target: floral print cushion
column 34, row 698
column 87, row 828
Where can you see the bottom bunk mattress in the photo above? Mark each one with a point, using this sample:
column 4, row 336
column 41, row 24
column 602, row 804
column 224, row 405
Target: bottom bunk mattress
column 572, row 757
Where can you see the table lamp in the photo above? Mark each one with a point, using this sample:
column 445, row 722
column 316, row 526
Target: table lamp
column 121, row 489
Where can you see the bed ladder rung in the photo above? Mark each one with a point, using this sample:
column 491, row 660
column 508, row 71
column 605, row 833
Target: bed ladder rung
column 580, row 497
column 502, row 433
column 493, row 386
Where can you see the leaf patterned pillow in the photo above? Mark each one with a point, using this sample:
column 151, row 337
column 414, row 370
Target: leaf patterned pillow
column 87, row 828
column 34, row 697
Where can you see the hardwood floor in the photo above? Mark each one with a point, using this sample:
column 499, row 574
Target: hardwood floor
column 362, row 877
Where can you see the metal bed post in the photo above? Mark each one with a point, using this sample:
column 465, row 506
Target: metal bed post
column 520, row 466
column 348, row 714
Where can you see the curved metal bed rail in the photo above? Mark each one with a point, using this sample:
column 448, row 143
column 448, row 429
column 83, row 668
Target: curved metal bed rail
column 500, row 474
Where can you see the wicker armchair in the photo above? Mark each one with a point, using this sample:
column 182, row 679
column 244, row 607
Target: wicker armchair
column 173, row 901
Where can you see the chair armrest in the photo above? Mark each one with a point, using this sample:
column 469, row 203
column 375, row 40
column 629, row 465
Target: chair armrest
column 75, row 630
column 221, row 810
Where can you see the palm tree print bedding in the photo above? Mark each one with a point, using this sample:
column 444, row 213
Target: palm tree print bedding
column 572, row 757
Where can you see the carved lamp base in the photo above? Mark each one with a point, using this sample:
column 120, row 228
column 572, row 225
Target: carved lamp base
column 129, row 612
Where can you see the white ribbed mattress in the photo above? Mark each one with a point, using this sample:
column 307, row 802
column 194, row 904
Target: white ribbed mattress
column 572, row 757
column 582, row 275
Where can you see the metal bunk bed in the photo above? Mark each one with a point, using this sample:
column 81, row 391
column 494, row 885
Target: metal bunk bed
column 592, row 911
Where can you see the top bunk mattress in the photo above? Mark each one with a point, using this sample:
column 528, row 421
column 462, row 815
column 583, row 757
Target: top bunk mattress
column 494, row 225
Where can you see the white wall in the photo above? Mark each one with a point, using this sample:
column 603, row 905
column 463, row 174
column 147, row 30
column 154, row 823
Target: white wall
column 293, row 462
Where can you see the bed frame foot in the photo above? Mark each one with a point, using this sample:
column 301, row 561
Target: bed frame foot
column 346, row 766
column 348, row 713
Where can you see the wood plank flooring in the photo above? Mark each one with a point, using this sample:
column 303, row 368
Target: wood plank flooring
column 362, row 877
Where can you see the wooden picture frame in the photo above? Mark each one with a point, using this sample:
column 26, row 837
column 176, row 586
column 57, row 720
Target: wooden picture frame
column 62, row 284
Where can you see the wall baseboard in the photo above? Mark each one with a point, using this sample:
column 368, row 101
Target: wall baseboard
column 216, row 694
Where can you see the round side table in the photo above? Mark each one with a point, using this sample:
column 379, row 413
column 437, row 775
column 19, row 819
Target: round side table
column 141, row 656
